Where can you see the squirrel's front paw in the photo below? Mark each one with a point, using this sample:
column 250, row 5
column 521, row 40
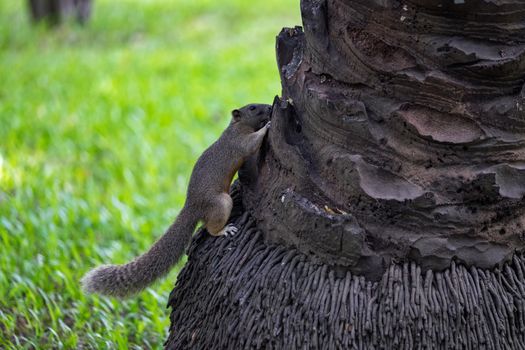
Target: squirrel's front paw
column 267, row 126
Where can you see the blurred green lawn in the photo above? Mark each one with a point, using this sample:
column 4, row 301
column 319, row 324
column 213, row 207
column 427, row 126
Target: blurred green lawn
column 99, row 128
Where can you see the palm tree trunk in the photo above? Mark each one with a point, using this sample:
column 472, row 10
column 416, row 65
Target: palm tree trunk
column 387, row 204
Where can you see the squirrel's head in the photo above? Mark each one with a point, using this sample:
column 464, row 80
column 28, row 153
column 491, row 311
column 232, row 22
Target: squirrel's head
column 253, row 115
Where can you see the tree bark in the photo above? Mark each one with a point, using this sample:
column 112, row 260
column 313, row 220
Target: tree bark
column 410, row 119
column 55, row 11
column 389, row 196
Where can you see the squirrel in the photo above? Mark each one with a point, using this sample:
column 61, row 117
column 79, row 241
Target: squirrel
column 207, row 200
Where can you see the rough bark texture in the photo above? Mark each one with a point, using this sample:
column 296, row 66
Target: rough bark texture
column 401, row 135
column 389, row 196
column 242, row 293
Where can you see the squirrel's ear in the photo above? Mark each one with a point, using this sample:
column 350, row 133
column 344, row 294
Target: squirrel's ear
column 236, row 114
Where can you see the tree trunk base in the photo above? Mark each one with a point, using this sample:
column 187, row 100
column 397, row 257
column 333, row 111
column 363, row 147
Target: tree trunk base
column 241, row 292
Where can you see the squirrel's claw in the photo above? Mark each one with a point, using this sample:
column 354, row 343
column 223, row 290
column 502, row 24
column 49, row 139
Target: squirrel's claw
column 229, row 230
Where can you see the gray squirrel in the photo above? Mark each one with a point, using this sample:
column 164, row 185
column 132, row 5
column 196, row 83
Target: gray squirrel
column 207, row 200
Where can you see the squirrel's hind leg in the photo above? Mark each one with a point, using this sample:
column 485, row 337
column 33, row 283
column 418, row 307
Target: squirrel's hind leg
column 217, row 214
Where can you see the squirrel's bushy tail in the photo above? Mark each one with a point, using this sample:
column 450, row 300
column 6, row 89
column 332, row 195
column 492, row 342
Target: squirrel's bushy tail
column 130, row 278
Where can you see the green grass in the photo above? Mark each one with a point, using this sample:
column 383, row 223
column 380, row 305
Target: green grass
column 99, row 128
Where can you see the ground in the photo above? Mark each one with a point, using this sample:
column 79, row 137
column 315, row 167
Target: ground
column 99, row 128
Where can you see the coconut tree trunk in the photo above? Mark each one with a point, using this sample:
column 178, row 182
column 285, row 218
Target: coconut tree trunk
column 386, row 208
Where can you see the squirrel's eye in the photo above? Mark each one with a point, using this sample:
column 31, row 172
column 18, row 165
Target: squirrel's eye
column 252, row 108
